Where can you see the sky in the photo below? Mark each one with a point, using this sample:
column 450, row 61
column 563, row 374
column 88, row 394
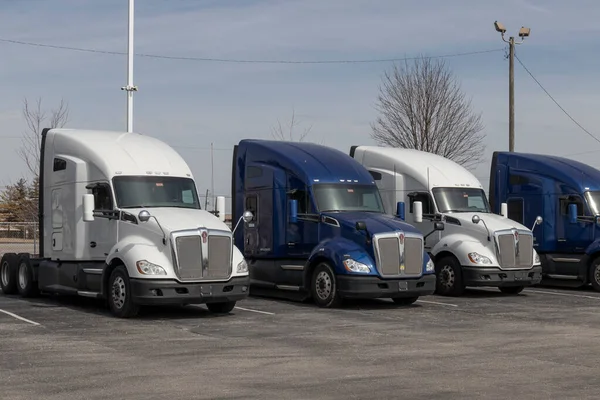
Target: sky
column 190, row 104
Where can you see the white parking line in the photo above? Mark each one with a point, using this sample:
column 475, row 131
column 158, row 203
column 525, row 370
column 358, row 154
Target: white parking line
column 562, row 294
column 256, row 311
column 19, row 317
column 435, row 302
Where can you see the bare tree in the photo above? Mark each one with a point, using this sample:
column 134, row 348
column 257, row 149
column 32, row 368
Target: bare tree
column 36, row 120
column 287, row 133
column 423, row 108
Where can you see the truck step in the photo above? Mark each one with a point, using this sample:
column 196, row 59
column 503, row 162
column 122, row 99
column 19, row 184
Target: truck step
column 93, row 295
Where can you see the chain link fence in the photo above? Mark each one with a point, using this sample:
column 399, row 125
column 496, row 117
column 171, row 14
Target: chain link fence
column 19, row 237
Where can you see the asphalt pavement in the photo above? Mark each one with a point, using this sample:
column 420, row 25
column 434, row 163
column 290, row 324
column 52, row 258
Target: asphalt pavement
column 541, row 344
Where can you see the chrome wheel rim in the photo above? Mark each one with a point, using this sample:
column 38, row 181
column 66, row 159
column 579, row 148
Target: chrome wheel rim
column 23, row 276
column 118, row 292
column 4, row 274
column 447, row 276
column 323, row 285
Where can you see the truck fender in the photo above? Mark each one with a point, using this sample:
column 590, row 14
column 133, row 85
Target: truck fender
column 460, row 246
column 333, row 250
column 591, row 253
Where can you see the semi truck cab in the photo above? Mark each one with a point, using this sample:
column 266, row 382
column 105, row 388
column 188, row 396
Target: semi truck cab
column 319, row 228
column 120, row 219
column 567, row 194
column 477, row 247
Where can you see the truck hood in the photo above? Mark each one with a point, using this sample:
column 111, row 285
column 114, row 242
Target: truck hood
column 493, row 221
column 376, row 222
column 175, row 219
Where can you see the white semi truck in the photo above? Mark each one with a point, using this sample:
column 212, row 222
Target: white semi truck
column 477, row 247
column 120, row 219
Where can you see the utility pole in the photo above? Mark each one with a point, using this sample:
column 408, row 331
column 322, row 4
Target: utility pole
column 130, row 88
column 523, row 33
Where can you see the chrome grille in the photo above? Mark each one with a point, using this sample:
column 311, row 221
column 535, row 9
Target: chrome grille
column 389, row 254
column 413, row 256
column 189, row 257
column 508, row 257
column 196, row 260
column 219, row 257
column 525, row 258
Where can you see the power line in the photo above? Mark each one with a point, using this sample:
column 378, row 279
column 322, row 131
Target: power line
column 240, row 61
column 556, row 102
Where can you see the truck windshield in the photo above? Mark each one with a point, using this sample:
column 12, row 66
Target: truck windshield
column 461, row 200
column 593, row 200
column 347, row 197
column 155, row 191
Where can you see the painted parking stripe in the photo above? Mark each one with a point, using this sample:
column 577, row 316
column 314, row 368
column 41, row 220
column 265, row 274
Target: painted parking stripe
column 255, row 311
column 19, row 317
column 435, row 302
column 562, row 294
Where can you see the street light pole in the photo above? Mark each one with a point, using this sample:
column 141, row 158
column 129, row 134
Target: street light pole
column 130, row 88
column 523, row 33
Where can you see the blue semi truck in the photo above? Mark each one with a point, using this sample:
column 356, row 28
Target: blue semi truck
column 566, row 193
column 319, row 229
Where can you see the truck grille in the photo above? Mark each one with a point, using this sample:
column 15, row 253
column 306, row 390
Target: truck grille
column 389, row 256
column 192, row 264
column 508, row 257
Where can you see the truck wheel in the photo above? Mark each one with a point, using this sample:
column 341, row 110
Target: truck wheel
column 324, row 287
column 221, row 308
column 405, row 301
column 27, row 285
column 594, row 274
column 8, row 273
column 120, row 300
column 449, row 280
column 512, row 289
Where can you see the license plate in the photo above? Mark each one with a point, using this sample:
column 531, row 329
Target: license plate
column 402, row 285
column 519, row 276
column 206, row 291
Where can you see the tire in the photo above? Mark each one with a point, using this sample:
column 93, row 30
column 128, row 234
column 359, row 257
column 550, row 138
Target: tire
column 8, row 273
column 26, row 284
column 594, row 274
column 323, row 286
column 120, row 300
column 405, row 301
column 221, row 308
column 449, row 280
column 512, row 289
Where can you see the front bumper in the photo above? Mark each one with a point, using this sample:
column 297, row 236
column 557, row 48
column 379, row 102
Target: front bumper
column 496, row 277
column 373, row 287
column 169, row 291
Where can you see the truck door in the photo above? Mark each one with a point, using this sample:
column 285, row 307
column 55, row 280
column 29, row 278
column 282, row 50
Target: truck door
column 428, row 217
column 571, row 238
column 302, row 236
column 102, row 232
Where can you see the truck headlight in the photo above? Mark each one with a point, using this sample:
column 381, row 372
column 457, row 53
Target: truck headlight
column 536, row 258
column 147, row 268
column 355, row 266
column 242, row 267
column 430, row 267
column 477, row 258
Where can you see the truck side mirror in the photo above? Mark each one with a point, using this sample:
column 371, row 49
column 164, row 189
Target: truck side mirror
column 504, row 209
column 538, row 221
column 248, row 216
column 475, row 219
column 573, row 213
column 418, row 211
column 438, row 226
column 400, row 210
column 293, row 211
column 88, row 207
column 144, row 216
column 361, row 226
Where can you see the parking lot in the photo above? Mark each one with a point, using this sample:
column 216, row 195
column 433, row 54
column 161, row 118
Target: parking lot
column 540, row 344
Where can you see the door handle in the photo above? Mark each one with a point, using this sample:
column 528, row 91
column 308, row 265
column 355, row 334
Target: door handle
column 53, row 242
